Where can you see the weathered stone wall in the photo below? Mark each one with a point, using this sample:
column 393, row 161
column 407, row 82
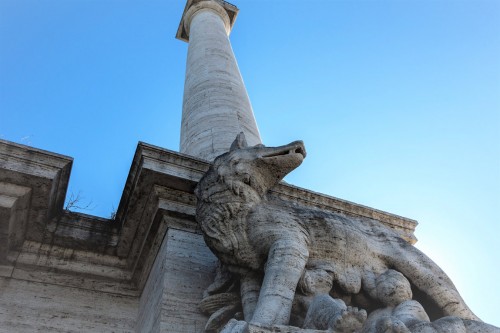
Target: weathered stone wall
column 143, row 272
column 183, row 269
column 27, row 306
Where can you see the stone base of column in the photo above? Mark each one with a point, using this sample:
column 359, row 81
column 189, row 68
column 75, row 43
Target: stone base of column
column 183, row 269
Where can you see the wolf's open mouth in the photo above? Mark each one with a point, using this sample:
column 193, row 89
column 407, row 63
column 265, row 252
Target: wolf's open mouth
column 287, row 151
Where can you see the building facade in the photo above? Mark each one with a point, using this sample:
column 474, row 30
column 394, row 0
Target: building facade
column 146, row 270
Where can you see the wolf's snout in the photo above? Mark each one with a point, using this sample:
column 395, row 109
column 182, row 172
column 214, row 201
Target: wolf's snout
column 293, row 148
column 300, row 149
column 297, row 147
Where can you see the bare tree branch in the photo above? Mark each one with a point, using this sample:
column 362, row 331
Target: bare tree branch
column 75, row 202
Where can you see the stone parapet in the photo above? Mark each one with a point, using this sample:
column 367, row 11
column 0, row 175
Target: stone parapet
column 158, row 195
column 33, row 185
column 153, row 238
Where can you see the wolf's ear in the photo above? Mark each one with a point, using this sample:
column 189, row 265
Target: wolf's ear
column 239, row 142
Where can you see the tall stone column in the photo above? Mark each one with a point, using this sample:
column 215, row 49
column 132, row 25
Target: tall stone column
column 216, row 106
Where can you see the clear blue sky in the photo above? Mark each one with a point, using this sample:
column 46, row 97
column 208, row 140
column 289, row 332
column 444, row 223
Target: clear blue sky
column 398, row 103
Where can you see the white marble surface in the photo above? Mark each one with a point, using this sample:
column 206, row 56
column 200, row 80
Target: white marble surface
column 216, row 106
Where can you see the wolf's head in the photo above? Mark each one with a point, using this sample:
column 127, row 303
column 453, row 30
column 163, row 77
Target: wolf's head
column 250, row 171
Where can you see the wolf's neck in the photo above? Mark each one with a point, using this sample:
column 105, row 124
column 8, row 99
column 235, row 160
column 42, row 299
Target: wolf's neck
column 223, row 193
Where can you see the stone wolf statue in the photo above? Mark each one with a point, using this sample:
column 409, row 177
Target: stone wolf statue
column 275, row 246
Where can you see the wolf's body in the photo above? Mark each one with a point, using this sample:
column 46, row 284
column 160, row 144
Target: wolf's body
column 253, row 233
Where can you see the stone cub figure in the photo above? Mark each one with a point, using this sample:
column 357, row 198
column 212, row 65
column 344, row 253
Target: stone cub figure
column 272, row 245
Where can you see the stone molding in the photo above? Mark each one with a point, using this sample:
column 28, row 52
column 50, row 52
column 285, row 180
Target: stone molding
column 404, row 226
column 33, row 185
column 227, row 12
column 206, row 5
column 85, row 251
column 14, row 208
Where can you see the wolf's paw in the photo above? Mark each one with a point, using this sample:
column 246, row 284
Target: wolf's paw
column 235, row 326
column 349, row 320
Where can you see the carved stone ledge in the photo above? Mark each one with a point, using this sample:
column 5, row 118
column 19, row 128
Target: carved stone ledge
column 152, row 166
column 158, row 195
column 45, row 174
column 14, row 206
column 160, row 173
column 83, row 232
column 404, row 226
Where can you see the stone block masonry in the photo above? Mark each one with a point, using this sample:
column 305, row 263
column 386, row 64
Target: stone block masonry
column 145, row 271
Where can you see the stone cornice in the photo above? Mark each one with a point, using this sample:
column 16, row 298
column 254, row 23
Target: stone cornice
column 230, row 9
column 45, row 174
column 72, row 248
column 405, row 226
column 155, row 166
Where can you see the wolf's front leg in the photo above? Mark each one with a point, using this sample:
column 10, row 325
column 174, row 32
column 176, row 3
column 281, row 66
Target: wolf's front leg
column 250, row 288
column 285, row 264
